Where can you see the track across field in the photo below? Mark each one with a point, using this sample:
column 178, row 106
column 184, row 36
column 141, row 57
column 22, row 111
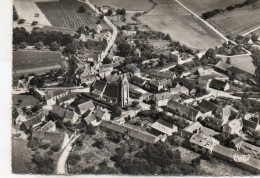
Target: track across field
column 64, row 14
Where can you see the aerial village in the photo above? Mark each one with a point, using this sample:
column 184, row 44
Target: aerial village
column 197, row 100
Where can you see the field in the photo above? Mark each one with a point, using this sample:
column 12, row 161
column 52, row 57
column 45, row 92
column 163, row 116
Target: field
column 231, row 23
column 244, row 63
column 21, row 157
column 128, row 5
column 202, row 6
column 64, row 14
column 35, row 61
column 181, row 25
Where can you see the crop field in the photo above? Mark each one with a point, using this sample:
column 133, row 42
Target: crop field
column 238, row 21
column 181, row 25
column 21, row 157
column 64, row 14
column 128, row 5
column 35, row 61
column 202, row 6
column 244, row 63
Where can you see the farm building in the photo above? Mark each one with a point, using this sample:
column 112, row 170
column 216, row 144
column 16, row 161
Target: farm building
column 164, row 127
column 191, row 129
column 82, row 108
column 70, row 116
column 219, row 85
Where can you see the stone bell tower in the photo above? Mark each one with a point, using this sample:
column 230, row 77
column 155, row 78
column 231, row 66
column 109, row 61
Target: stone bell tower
column 123, row 94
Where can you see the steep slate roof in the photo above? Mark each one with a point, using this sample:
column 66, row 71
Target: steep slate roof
column 250, row 123
column 111, row 90
column 183, row 108
column 138, row 79
column 48, row 126
column 219, row 84
column 215, row 121
column 33, row 121
column 99, row 85
column 163, row 126
column 206, row 106
column 58, row 110
column 69, row 114
column 86, row 106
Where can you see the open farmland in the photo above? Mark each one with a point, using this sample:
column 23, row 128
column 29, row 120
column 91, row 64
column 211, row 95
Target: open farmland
column 21, row 157
column 64, row 14
column 202, row 6
column 238, row 21
column 181, row 25
column 128, row 5
column 35, row 61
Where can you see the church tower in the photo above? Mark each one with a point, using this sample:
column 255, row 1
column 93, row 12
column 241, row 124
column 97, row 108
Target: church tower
column 123, row 94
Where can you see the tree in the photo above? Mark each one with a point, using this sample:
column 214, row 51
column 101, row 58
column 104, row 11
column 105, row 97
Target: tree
column 54, row 46
column 55, row 148
column 21, row 21
column 135, row 103
column 116, row 111
column 23, row 45
column 210, row 53
column 228, row 60
column 34, row 23
column 39, row 45
column 70, row 48
column 81, row 9
column 109, row 12
column 107, row 61
column 254, row 37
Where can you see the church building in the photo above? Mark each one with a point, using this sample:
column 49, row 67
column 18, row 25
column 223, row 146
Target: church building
column 117, row 92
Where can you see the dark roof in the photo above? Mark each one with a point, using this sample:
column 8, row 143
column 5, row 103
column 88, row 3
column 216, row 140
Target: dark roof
column 58, row 92
column 249, row 123
column 100, row 85
column 239, row 37
column 183, row 108
column 156, row 73
column 218, row 84
column 213, row 120
column 236, row 70
column 58, row 110
column 111, row 90
column 66, row 98
column 138, row 79
column 33, row 121
column 206, row 106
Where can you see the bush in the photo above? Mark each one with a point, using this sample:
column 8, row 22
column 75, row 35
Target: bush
column 21, row 21
column 39, row 45
column 50, row 153
column 34, row 23
column 45, row 146
column 23, row 45
column 81, row 9
column 55, row 148
column 99, row 144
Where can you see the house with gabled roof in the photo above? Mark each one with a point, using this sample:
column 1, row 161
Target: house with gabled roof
column 179, row 89
column 49, row 127
column 203, row 143
column 236, row 143
column 138, row 81
column 51, row 98
column 164, row 127
column 83, row 107
column 66, row 100
column 53, row 138
column 233, row 127
column 162, row 75
column 133, row 69
column 222, row 66
column 240, row 74
column 191, row 129
column 98, row 88
column 33, row 123
column 214, row 123
column 58, row 111
column 219, row 85
column 162, row 99
column 71, row 116
column 251, row 125
column 184, row 111
column 207, row 108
